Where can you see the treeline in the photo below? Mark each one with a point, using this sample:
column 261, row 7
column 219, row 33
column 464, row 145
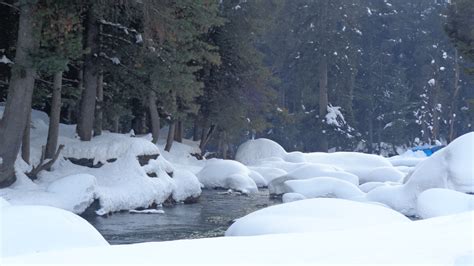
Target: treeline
column 311, row 74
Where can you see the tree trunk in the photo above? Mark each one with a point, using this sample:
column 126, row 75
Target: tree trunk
column 26, row 141
column 370, row 147
column 53, row 130
column 116, row 122
column 323, row 102
column 154, row 116
column 206, row 136
column 170, row 138
column 452, row 115
column 196, row 129
column 99, row 107
column 178, row 133
column 20, row 92
column 91, row 73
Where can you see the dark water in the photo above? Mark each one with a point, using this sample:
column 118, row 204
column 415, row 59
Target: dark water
column 210, row 217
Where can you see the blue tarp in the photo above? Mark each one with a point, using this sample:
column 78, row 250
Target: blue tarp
column 428, row 150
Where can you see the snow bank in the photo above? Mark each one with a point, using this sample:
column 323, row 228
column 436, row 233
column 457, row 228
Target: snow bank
column 251, row 151
column 450, row 168
column 31, row 229
column 384, row 174
column 227, row 174
column 109, row 146
column 438, row 202
column 313, row 215
column 77, row 191
column 326, row 187
column 440, row 241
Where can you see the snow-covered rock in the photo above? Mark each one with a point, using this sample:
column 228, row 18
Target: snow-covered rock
column 252, row 151
column 32, row 229
column 258, row 178
column 290, row 197
column 325, row 187
column 186, row 185
column 383, row 174
column 109, row 146
column 438, row 202
column 366, row 187
column 77, row 191
column 314, row 215
column 450, row 167
column 268, row 173
column 227, row 174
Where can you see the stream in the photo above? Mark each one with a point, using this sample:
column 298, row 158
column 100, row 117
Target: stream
column 210, row 217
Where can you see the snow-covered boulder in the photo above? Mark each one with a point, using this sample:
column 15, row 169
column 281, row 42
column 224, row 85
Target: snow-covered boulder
column 108, row 146
column 449, row 168
column 251, row 151
column 440, row 202
column 383, row 174
column 75, row 192
column 359, row 164
column 268, row 173
column 366, row 187
column 258, row 178
column 325, row 187
column 290, row 197
column 314, row 215
column 31, row 229
column 227, row 174
column 186, row 185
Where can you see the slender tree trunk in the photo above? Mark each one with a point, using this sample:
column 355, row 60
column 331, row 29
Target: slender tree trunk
column 206, row 136
column 196, row 129
column 91, row 72
column 53, row 130
column 178, row 134
column 26, row 141
column 20, row 92
column 116, row 122
column 99, row 107
column 452, row 115
column 170, row 138
column 323, row 101
column 370, row 148
column 154, row 116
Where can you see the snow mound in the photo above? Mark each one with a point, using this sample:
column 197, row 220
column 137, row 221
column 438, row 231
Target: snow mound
column 450, row 168
column 439, row 202
column 31, row 229
column 325, row 187
column 268, row 173
column 319, row 170
column 290, row 197
column 4, row 203
column 186, row 185
column 366, row 187
column 109, row 146
column 74, row 192
column 227, row 174
column 359, row 164
column 383, row 174
column 251, row 151
column 314, row 215
column 258, row 178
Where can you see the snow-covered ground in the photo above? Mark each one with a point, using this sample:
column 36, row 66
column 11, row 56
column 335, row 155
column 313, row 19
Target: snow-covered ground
column 388, row 238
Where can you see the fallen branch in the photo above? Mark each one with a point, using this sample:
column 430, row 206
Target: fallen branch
column 33, row 174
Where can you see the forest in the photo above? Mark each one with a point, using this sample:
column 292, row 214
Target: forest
column 222, row 72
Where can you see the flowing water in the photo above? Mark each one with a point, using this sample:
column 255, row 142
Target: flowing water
column 210, row 217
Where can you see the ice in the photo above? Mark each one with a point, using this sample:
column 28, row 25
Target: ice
column 32, row 229
column 313, row 215
column 147, row 211
column 438, row 202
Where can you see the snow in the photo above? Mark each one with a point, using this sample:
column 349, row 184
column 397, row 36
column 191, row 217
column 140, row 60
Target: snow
column 327, row 187
column 252, row 151
column 109, row 146
column 147, row 211
column 432, row 82
column 227, row 174
column 313, row 215
column 5, row 60
column 186, row 185
column 438, row 202
column 32, row 229
column 290, row 197
column 441, row 241
column 334, row 115
column 268, row 173
column 450, row 168
column 77, row 191
column 383, row 174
